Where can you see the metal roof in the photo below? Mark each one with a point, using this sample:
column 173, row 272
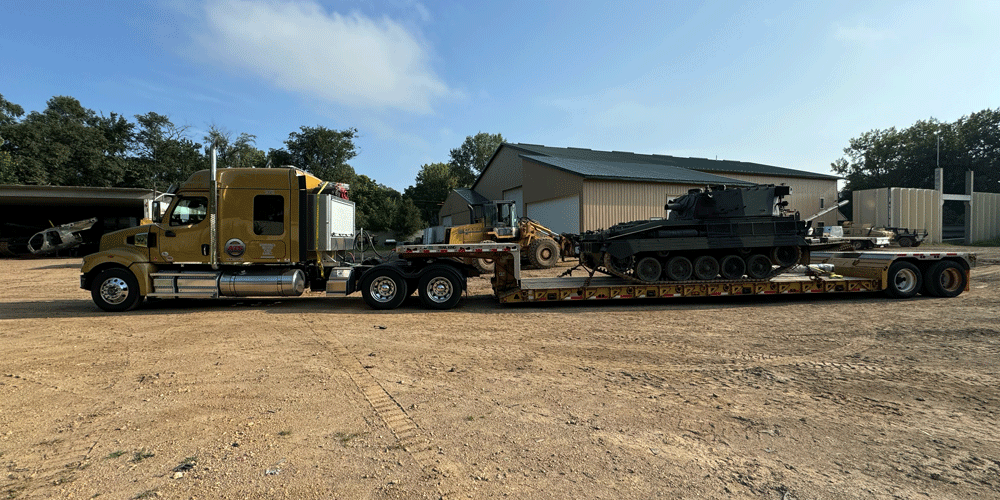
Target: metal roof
column 472, row 197
column 72, row 195
column 700, row 164
column 644, row 172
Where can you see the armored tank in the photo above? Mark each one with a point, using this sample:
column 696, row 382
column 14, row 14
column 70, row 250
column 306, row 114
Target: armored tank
column 717, row 233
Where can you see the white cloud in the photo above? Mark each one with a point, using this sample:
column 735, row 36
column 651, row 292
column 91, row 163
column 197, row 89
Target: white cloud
column 350, row 59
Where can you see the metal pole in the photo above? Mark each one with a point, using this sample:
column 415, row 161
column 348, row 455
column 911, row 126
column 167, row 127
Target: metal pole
column 938, row 150
column 213, row 208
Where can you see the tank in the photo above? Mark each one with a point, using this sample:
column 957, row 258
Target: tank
column 717, row 233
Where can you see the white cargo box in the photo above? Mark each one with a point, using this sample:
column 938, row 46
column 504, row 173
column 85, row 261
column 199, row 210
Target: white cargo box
column 333, row 223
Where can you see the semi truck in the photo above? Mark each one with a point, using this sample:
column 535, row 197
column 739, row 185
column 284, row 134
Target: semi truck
column 277, row 232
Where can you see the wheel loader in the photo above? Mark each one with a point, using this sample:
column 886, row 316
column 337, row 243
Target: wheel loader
column 540, row 246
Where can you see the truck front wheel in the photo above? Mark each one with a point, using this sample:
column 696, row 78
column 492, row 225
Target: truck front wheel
column 116, row 290
column 383, row 288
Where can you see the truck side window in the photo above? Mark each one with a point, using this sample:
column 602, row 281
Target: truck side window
column 268, row 214
column 189, row 211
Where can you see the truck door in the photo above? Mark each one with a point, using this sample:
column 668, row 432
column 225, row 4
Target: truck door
column 255, row 225
column 183, row 237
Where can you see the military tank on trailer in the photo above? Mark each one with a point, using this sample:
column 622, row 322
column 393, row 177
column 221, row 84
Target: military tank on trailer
column 717, row 233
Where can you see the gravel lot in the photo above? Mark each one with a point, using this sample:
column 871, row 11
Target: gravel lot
column 831, row 397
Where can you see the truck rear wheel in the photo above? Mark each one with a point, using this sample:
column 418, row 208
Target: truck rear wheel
column 944, row 279
column 440, row 287
column 116, row 290
column 383, row 288
column 904, row 280
column 543, row 253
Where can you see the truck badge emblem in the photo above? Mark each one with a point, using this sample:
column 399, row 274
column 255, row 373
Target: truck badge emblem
column 235, row 247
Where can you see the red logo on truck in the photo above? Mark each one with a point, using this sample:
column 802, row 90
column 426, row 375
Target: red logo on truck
column 235, row 247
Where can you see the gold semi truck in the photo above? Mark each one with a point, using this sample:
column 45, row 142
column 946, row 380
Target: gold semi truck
column 258, row 232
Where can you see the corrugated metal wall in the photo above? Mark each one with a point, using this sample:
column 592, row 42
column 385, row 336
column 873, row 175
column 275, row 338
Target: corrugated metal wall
column 606, row 203
column 919, row 209
column 986, row 216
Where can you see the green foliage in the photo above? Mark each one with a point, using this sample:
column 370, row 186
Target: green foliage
column 433, row 183
column 470, row 159
column 163, row 153
column 908, row 157
column 375, row 203
column 406, row 218
column 321, row 151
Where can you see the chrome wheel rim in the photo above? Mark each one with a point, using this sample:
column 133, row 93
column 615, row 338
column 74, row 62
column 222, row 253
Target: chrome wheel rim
column 383, row 289
column 439, row 289
column 114, row 290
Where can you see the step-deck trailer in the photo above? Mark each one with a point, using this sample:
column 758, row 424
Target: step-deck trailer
column 898, row 274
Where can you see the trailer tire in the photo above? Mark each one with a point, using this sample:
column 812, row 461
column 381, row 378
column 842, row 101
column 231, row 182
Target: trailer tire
column 543, row 253
column 383, row 288
column 904, row 280
column 440, row 287
column 944, row 279
column 116, row 290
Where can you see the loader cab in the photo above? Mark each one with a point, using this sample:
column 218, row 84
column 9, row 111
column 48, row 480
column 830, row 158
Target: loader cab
column 502, row 217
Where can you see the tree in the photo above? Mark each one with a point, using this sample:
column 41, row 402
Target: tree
column 470, row 159
column 375, row 204
column 164, row 155
column 433, row 183
column 320, row 151
column 68, row 144
column 908, row 157
column 230, row 153
column 406, row 218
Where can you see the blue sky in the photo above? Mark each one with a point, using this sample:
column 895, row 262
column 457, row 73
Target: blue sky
column 780, row 83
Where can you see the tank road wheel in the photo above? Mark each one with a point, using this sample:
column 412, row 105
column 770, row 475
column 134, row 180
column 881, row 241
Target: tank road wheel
column 786, row 256
column 648, row 269
column 944, row 279
column 383, row 288
column 440, row 287
column 706, row 267
column 904, row 280
column 543, row 253
column 484, row 266
column 679, row 268
column 758, row 266
column 906, row 241
column 116, row 290
column 622, row 266
column 732, row 267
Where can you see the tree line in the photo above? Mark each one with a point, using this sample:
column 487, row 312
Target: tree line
column 67, row 144
column 907, row 157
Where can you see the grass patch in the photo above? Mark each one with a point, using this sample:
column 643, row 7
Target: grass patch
column 141, row 455
column 285, row 433
column 115, row 454
column 344, row 438
column 145, row 494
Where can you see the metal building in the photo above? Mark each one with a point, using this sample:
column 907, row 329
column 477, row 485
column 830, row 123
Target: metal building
column 574, row 190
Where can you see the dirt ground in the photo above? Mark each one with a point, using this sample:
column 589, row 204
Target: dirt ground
column 828, row 397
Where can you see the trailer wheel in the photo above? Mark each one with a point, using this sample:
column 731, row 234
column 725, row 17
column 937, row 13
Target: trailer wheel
column 440, row 287
column 758, row 266
column 116, row 290
column 906, row 241
column 648, row 269
column 383, row 288
column 944, row 279
column 679, row 268
column 543, row 253
column 732, row 267
column 706, row 267
column 904, row 280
